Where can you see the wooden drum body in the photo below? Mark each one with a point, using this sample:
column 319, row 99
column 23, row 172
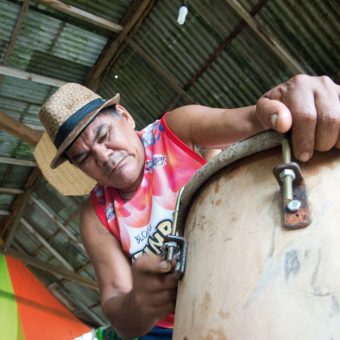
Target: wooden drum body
column 248, row 278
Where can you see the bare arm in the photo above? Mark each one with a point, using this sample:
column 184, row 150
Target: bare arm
column 135, row 297
column 308, row 105
column 213, row 127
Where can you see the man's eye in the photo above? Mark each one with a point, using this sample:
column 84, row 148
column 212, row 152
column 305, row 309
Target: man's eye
column 83, row 160
column 104, row 137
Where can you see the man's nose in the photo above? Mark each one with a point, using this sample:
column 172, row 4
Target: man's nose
column 101, row 153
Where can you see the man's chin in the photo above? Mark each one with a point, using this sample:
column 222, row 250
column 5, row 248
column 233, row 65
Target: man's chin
column 127, row 184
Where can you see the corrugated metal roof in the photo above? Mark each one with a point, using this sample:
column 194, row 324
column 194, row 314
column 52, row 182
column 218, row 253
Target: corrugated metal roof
column 244, row 69
column 111, row 10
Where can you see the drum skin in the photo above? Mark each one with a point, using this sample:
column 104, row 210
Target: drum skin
column 248, row 278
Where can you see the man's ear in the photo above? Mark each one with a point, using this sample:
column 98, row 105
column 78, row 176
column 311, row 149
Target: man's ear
column 126, row 115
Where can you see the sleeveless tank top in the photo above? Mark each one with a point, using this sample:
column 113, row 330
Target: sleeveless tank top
column 141, row 223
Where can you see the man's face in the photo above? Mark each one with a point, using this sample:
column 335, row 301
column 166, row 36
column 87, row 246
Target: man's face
column 110, row 151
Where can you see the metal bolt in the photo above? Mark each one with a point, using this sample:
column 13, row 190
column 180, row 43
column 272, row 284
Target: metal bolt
column 287, row 173
column 170, row 250
column 294, row 205
column 287, row 176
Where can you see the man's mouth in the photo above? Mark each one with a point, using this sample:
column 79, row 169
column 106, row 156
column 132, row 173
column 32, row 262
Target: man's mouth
column 114, row 165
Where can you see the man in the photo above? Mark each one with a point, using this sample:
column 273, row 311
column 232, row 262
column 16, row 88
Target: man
column 140, row 173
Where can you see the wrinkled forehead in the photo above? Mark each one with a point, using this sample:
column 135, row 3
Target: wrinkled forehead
column 87, row 135
column 97, row 124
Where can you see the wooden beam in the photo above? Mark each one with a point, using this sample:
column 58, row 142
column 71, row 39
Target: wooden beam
column 11, row 191
column 19, row 130
column 82, row 15
column 55, row 219
column 266, row 37
column 115, row 45
column 168, row 77
column 216, row 53
column 20, row 162
column 61, row 297
column 47, row 246
column 11, row 44
column 85, row 266
column 51, row 269
column 15, row 73
column 13, row 221
column 22, row 13
column 80, row 305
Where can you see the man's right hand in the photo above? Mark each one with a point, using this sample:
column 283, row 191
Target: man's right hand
column 154, row 286
column 310, row 106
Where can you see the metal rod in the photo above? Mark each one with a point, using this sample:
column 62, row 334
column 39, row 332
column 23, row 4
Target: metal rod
column 178, row 203
column 286, row 154
column 287, row 180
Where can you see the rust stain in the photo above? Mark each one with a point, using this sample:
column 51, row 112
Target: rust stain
column 218, row 202
column 199, row 201
column 206, row 301
column 224, row 315
column 233, row 216
column 215, row 334
column 299, row 219
column 217, row 187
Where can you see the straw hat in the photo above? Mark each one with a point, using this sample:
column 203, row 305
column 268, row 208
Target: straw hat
column 65, row 115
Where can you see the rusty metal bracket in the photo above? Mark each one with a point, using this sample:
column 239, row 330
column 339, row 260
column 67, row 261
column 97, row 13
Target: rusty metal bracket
column 176, row 248
column 295, row 209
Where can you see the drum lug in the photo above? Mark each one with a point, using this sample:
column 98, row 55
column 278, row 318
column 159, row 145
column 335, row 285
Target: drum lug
column 294, row 205
column 176, row 248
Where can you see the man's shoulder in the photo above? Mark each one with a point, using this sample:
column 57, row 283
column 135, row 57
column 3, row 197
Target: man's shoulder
column 87, row 211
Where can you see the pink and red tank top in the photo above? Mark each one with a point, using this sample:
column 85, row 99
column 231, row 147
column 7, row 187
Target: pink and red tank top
column 141, row 223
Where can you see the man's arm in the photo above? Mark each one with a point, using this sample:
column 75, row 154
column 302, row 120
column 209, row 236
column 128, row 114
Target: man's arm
column 308, row 105
column 135, row 297
column 213, row 127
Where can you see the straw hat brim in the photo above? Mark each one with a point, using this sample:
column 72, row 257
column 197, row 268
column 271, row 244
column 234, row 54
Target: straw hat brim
column 67, row 179
column 59, row 159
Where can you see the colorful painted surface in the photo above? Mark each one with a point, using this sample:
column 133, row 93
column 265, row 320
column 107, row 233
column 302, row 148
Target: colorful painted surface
column 28, row 311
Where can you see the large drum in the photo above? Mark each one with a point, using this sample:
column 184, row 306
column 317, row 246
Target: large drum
column 248, row 277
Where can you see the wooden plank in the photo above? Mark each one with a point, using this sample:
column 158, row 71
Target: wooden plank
column 266, row 37
column 19, row 129
column 115, row 46
column 13, row 221
column 23, row 11
column 63, row 294
column 168, row 77
column 51, row 269
column 19, row 162
column 56, row 220
column 216, row 53
column 47, row 246
column 82, row 15
column 11, row 191
column 15, row 73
